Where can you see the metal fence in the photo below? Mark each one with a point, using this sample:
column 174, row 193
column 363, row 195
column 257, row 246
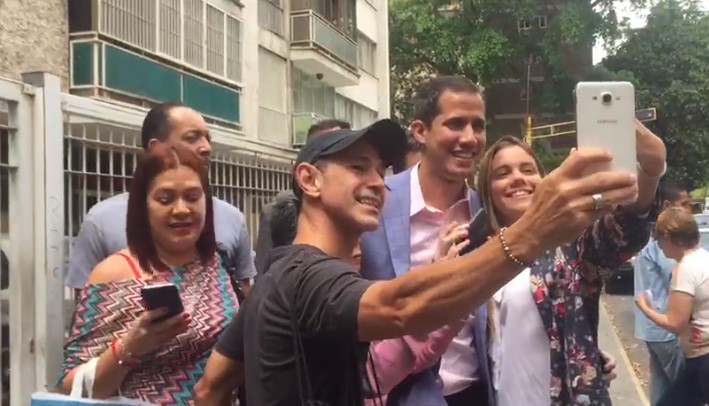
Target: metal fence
column 59, row 155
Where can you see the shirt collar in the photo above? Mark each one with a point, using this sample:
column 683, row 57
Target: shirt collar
column 417, row 202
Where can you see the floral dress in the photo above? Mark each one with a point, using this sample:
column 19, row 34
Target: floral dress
column 566, row 286
column 167, row 376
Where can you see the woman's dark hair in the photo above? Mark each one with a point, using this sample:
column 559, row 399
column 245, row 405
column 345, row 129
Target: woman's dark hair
column 160, row 159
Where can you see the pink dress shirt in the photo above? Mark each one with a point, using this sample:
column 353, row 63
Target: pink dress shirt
column 396, row 358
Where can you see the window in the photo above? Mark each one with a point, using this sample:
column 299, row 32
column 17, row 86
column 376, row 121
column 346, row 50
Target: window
column 215, row 41
column 540, row 21
column 354, row 113
column 170, row 27
column 188, row 31
column 233, row 48
column 367, row 54
column 270, row 16
column 523, row 25
column 311, row 95
column 273, row 119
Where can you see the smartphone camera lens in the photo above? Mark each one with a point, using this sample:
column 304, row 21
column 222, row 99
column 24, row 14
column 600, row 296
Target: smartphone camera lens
column 606, row 97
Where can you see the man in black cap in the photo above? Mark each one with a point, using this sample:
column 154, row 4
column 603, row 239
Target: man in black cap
column 302, row 337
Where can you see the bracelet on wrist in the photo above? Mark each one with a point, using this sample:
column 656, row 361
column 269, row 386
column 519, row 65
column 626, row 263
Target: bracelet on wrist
column 122, row 356
column 661, row 174
column 508, row 251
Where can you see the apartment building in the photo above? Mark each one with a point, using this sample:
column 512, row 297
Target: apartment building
column 260, row 71
column 267, row 68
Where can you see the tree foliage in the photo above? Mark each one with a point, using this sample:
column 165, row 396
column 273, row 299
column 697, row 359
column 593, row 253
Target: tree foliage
column 479, row 39
column 668, row 61
column 550, row 160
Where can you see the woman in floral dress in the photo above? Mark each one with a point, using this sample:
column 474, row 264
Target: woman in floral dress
column 545, row 344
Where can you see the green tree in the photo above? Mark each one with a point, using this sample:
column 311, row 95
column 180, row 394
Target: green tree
column 668, row 61
column 480, row 39
column 550, row 160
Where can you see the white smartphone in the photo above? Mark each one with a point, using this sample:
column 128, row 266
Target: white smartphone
column 605, row 118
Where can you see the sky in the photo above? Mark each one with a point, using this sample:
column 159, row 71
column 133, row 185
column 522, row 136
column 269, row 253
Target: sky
column 637, row 20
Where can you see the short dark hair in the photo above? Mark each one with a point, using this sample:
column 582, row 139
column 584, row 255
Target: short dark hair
column 327, row 124
column 156, row 124
column 670, row 190
column 428, row 95
column 284, row 220
column 411, row 146
column 150, row 165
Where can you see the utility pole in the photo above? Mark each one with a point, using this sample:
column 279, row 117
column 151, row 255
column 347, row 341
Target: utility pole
column 528, row 117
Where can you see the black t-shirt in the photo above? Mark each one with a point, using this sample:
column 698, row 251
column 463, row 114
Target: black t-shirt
column 324, row 292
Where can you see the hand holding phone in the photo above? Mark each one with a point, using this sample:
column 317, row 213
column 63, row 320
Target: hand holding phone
column 479, row 231
column 163, row 319
column 452, row 241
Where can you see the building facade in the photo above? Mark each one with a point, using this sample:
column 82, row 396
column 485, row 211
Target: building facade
column 260, row 71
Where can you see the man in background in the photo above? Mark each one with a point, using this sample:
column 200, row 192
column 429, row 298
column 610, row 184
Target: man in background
column 412, row 157
column 652, row 274
column 103, row 231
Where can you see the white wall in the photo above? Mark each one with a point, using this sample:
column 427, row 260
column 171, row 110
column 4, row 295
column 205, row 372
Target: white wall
column 367, row 19
column 383, row 71
column 250, row 44
column 365, row 93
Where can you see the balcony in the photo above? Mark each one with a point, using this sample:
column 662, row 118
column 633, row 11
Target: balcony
column 301, row 124
column 101, row 69
column 317, row 47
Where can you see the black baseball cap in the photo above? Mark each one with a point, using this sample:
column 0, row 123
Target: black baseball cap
column 386, row 136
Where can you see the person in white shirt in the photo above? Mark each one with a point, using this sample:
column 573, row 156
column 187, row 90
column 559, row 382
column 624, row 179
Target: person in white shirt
column 687, row 313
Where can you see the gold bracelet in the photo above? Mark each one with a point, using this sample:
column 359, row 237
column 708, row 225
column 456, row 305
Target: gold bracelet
column 508, row 251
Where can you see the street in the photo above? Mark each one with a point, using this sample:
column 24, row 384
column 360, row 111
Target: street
column 620, row 307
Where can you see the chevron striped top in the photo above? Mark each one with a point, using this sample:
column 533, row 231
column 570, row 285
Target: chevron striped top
column 167, row 376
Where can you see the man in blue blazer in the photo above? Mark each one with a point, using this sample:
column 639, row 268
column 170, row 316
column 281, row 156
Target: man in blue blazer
column 449, row 123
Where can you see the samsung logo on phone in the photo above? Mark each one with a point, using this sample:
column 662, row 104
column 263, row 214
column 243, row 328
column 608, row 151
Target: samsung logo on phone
column 608, row 121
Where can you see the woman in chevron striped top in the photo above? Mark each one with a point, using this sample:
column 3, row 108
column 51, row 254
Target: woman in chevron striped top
column 170, row 232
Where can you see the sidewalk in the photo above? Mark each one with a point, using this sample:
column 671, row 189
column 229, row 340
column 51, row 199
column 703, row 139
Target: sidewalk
column 625, row 389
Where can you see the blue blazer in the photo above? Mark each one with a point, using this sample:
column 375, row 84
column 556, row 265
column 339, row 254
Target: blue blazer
column 386, row 254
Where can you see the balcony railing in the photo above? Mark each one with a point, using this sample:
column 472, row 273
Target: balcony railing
column 310, row 30
column 270, row 16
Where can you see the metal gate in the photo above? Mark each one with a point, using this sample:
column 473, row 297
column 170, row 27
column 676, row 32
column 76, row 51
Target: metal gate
column 26, row 274
column 59, row 155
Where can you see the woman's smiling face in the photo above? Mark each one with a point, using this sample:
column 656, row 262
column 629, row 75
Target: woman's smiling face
column 514, row 176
